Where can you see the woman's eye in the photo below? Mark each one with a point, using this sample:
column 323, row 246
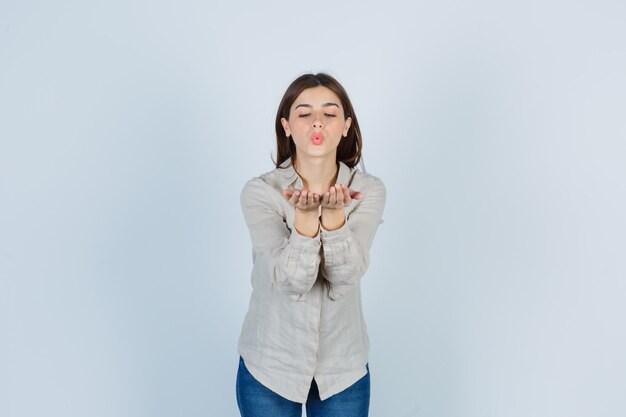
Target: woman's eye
column 308, row 114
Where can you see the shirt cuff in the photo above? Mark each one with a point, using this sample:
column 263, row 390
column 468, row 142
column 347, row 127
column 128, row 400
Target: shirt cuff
column 331, row 236
column 303, row 242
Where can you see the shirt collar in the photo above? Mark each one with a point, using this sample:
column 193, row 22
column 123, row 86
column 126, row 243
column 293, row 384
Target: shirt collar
column 289, row 175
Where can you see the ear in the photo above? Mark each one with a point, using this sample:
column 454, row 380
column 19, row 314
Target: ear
column 348, row 123
column 285, row 124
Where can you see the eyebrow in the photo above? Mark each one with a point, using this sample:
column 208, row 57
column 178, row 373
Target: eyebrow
column 323, row 105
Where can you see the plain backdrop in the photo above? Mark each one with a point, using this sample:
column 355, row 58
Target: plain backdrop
column 497, row 285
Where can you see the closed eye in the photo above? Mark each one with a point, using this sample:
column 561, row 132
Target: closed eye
column 307, row 115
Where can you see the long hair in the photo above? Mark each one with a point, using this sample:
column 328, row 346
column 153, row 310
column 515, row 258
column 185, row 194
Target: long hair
column 349, row 148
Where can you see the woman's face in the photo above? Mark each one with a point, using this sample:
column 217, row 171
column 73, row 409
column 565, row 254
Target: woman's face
column 316, row 122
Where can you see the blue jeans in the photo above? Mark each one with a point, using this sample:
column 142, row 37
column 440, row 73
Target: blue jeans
column 256, row 400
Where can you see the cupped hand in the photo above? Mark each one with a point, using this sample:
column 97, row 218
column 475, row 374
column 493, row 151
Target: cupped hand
column 339, row 196
column 302, row 199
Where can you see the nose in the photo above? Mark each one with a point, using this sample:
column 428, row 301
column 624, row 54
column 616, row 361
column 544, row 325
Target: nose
column 318, row 123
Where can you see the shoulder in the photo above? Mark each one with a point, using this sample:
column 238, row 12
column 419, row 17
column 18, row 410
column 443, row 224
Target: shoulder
column 266, row 186
column 374, row 192
column 363, row 181
column 273, row 178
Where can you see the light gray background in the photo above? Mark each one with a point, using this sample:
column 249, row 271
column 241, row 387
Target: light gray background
column 127, row 129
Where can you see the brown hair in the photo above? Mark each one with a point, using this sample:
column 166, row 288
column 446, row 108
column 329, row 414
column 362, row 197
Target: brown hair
column 349, row 149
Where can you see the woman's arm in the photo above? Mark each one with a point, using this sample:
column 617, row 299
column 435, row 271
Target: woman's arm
column 292, row 258
column 306, row 204
column 346, row 249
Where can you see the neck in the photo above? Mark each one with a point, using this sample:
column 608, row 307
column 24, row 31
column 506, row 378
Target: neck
column 317, row 174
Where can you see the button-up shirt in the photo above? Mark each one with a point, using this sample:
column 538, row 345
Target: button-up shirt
column 305, row 318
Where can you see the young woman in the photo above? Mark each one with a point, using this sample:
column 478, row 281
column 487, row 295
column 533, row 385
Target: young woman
column 312, row 220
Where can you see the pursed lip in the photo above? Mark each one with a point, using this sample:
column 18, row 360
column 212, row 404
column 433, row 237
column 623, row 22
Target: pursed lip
column 317, row 136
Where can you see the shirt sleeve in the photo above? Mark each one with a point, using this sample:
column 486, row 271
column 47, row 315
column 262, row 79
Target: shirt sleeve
column 346, row 250
column 292, row 259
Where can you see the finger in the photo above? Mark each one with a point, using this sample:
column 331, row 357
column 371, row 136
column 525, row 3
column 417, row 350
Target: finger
column 345, row 190
column 340, row 198
column 294, row 198
column 303, row 197
column 357, row 195
column 326, row 198
column 332, row 196
column 347, row 197
column 287, row 193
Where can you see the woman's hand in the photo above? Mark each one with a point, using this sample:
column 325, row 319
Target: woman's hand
column 307, row 208
column 339, row 196
column 333, row 202
column 302, row 199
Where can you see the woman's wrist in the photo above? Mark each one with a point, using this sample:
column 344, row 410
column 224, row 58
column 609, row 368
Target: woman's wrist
column 307, row 222
column 332, row 218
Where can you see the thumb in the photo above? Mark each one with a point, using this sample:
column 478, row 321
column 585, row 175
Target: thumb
column 357, row 195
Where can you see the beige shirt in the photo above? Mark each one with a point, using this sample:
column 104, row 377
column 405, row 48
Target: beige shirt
column 305, row 318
